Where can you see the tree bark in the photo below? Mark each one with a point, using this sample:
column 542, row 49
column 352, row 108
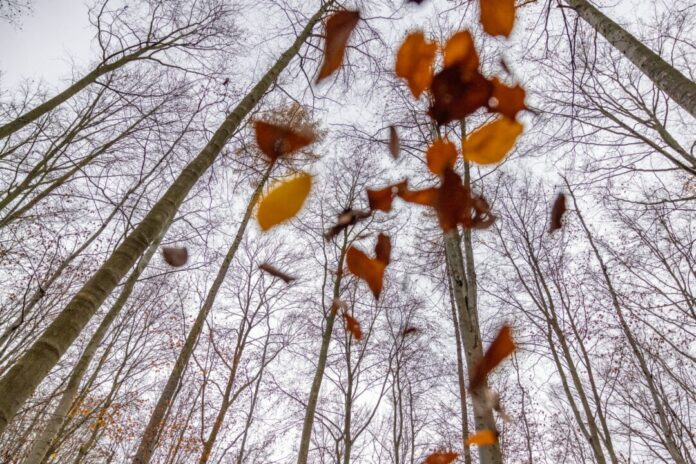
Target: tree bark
column 19, row 383
column 667, row 78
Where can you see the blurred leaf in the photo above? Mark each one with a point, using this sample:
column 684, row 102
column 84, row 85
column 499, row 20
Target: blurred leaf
column 557, row 211
column 175, row 256
column 276, row 141
column 441, row 458
column 456, row 94
column 394, row 142
column 353, row 326
column 509, row 100
column 277, row 273
column 370, row 270
column 338, row 29
column 442, row 154
column 491, row 142
column 482, row 438
column 414, row 62
column 498, row 16
column 501, row 348
column 283, row 201
column 348, row 217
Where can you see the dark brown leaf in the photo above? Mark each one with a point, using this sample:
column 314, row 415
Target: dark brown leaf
column 455, row 96
column 175, row 256
column 347, row 218
column 277, row 273
column 338, row 29
column 557, row 211
column 394, row 142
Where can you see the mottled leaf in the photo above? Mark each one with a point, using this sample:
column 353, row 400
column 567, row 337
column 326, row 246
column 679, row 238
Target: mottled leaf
column 414, row 62
column 491, row 142
column 283, row 201
column 338, row 29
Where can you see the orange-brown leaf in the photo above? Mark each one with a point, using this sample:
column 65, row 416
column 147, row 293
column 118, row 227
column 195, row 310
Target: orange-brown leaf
column 353, row 326
column 175, row 256
column 338, row 29
column 276, row 141
column 557, row 211
column 394, row 142
column 414, row 62
column 369, row 270
column 383, row 249
column 442, row 154
column 491, row 142
column 381, row 199
column 498, row 16
column 460, row 50
column 458, row 92
column 441, row 458
column 425, row 197
column 483, row 438
column 275, row 272
column 508, row 100
column 501, row 348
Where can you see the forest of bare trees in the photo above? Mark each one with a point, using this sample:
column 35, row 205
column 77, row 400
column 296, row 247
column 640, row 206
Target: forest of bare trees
column 395, row 231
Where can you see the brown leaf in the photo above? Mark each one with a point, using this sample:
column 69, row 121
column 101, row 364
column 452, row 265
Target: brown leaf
column 557, row 211
column 380, row 199
column 441, row 457
column 501, row 348
column 353, row 326
column 409, row 330
column 442, row 154
column 456, row 96
column 498, row 16
column 338, row 29
column 175, row 256
column 483, row 438
column 414, row 62
column 276, row 141
column 394, row 142
column 460, row 50
column 508, row 100
column 348, row 217
column 383, row 249
column 276, row 273
column 370, row 270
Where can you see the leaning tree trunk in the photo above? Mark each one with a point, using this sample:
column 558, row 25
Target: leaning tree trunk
column 148, row 442
column 57, row 419
column 311, row 408
column 21, row 381
column 667, row 78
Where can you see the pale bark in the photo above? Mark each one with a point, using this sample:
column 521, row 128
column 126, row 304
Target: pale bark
column 21, row 381
column 667, row 78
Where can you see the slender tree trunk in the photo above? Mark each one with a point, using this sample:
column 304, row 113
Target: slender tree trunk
column 311, row 408
column 667, row 78
column 20, row 382
column 148, row 441
column 56, row 420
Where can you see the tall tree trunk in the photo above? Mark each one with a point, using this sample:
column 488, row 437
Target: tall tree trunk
column 20, row 382
column 667, row 78
column 148, row 441
column 56, row 420
column 311, row 408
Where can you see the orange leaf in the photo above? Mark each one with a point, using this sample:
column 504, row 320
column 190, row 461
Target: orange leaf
column 414, row 62
column 460, row 49
column 482, row 438
column 381, row 199
column 501, row 348
column 441, row 458
column 426, row 197
column 491, row 142
column 338, row 29
column 283, row 201
column 498, row 16
column 557, row 211
column 458, row 92
column 509, row 100
column 370, row 270
column 441, row 154
column 394, row 143
column 276, row 141
column 175, row 256
column 353, row 326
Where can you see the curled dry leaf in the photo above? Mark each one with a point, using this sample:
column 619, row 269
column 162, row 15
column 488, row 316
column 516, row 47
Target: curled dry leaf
column 348, row 217
column 508, row 100
column 338, row 29
column 353, row 326
column 394, row 142
column 276, row 141
column 441, row 155
column 441, row 457
column 491, row 142
column 498, row 16
column 414, row 62
column 275, row 272
column 483, row 438
column 175, row 256
column 283, row 201
column 501, row 348
column 557, row 211
column 368, row 269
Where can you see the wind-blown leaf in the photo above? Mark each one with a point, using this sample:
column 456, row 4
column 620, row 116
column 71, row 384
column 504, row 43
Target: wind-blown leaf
column 368, row 269
column 460, row 49
column 276, row 141
column 414, row 62
column 491, row 142
column 483, row 438
column 347, row 218
column 283, row 201
column 442, row 154
column 498, row 16
column 353, row 326
column 276, row 273
column 557, row 211
column 338, row 29
column 175, row 256
column 394, row 142
column 501, row 348
column 509, row 100
column 441, row 458
column 455, row 95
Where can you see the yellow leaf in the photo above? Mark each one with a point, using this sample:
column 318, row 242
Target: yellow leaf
column 490, row 143
column 283, row 201
column 482, row 438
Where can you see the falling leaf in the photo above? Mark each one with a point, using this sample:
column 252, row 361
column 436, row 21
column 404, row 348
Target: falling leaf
column 482, row 438
column 370, row 270
column 394, row 142
column 348, row 217
column 414, row 62
column 557, row 211
column 460, row 50
column 409, row 330
column 353, row 326
column 498, row 16
column 425, row 197
column 414, row 1
column 501, row 348
column 276, row 273
column 508, row 100
column 456, row 96
column 175, row 256
column 442, row 154
column 441, row 458
column 283, row 201
column 338, row 29
column 276, row 141
column 491, row 142
column 380, row 199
